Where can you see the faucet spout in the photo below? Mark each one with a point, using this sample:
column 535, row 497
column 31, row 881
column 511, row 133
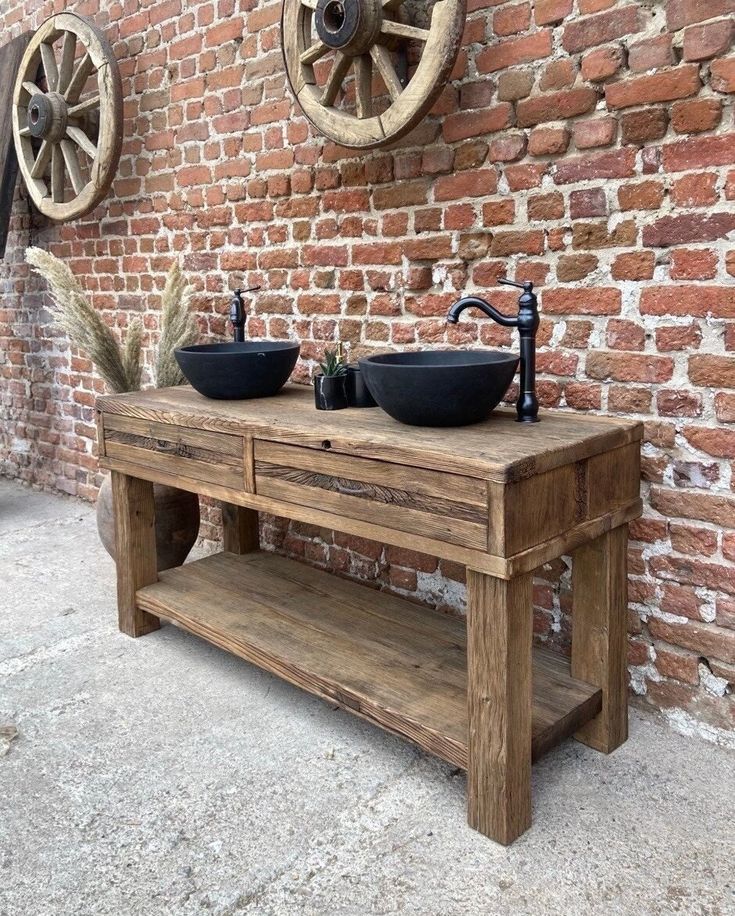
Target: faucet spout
column 527, row 322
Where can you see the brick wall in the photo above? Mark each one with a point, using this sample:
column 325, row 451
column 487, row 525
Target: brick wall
column 585, row 144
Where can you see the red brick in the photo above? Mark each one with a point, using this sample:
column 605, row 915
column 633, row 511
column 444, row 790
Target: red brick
column 548, row 141
column 696, row 116
column 651, row 54
column 563, row 301
column 514, row 85
column 587, row 203
column 693, row 264
column 697, row 301
column 684, row 12
column 664, row 86
column 625, row 335
column 722, row 75
column 601, row 28
column 557, row 75
column 701, row 42
column 636, row 265
column 602, row 63
column 507, row 243
column 629, row 367
column 683, row 230
column 710, row 371
column 509, row 20
column 498, row 212
column 598, row 235
column 719, row 510
column 699, row 153
column 705, row 639
column 641, row 127
column 508, row 148
column 464, row 124
column 550, row 12
column 475, row 183
column 512, row 51
column 682, row 666
column 725, row 407
column 555, row 106
column 720, row 443
column 522, row 177
column 647, row 195
column 546, row 206
column 697, row 190
column 595, row 132
column 678, row 337
column 671, row 403
column 615, row 164
column 571, row 267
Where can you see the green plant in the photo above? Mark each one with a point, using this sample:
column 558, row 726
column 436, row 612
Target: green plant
column 333, row 364
column 120, row 367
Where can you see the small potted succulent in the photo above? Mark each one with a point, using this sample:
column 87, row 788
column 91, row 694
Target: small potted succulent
column 330, row 390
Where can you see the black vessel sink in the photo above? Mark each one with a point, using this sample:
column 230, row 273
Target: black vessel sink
column 439, row 387
column 235, row 371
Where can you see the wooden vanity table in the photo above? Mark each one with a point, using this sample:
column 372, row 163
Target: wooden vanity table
column 500, row 497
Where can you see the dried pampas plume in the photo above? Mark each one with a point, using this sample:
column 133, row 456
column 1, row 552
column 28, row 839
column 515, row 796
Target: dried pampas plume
column 74, row 313
column 178, row 327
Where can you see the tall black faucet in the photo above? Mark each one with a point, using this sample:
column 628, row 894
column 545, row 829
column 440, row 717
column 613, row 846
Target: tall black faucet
column 237, row 313
column 527, row 322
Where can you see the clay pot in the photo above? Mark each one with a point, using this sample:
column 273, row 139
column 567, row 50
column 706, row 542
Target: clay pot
column 177, row 522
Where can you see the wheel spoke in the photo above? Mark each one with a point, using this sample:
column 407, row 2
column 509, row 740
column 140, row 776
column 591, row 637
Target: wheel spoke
column 87, row 105
column 82, row 140
column 312, row 54
column 66, row 67
column 49, row 66
column 72, row 165
column 391, row 5
column 80, row 77
column 57, row 175
column 31, row 88
column 363, row 86
column 310, row 3
column 334, row 80
column 381, row 57
column 42, row 159
column 25, row 132
column 404, row 31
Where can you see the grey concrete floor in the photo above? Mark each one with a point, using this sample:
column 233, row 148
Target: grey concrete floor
column 162, row 776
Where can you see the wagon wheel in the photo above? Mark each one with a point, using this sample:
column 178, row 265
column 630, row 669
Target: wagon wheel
column 67, row 117
column 335, row 48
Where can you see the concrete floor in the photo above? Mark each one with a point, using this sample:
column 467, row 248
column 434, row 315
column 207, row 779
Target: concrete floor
column 162, row 776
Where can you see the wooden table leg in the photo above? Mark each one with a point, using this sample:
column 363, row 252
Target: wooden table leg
column 500, row 632
column 135, row 545
column 239, row 529
column 599, row 634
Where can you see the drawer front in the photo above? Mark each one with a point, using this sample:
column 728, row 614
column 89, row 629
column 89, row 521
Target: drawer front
column 192, row 453
column 446, row 507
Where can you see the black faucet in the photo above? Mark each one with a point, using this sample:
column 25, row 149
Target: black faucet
column 527, row 322
column 237, row 313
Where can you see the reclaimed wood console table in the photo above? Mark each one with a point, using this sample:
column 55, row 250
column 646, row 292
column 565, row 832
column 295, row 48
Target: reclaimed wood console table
column 501, row 498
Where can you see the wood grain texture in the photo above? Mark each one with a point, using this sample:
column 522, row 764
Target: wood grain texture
column 500, row 630
column 497, row 449
column 599, row 634
column 240, row 532
column 135, row 539
column 398, row 665
column 10, row 58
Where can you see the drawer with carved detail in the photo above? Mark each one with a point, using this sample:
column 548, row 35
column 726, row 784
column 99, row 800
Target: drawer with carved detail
column 212, row 457
column 443, row 506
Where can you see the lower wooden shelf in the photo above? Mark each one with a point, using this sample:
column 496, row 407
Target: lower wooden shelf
column 387, row 660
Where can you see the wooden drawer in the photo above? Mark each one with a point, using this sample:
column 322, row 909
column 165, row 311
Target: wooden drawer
column 445, row 507
column 197, row 454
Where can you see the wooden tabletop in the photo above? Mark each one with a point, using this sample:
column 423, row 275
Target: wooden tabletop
column 497, row 449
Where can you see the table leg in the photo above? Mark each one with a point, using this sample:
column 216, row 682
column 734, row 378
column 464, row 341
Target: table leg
column 135, row 545
column 599, row 634
column 500, row 632
column 239, row 529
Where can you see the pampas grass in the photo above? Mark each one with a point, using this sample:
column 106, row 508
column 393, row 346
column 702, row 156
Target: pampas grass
column 75, row 315
column 121, row 368
column 178, row 327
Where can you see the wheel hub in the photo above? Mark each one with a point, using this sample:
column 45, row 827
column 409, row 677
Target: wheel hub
column 349, row 26
column 47, row 116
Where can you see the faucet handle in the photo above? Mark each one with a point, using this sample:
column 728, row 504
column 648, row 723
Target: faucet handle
column 527, row 286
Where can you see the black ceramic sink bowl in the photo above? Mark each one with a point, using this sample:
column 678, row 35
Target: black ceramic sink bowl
column 235, row 371
column 439, row 387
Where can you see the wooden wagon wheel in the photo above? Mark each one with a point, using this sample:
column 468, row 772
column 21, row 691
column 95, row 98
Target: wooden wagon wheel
column 357, row 49
column 67, row 117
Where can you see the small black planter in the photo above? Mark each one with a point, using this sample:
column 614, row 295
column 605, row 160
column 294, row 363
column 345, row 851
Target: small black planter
column 357, row 391
column 330, row 392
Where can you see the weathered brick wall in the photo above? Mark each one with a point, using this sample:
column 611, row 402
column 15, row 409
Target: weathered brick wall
column 585, row 144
